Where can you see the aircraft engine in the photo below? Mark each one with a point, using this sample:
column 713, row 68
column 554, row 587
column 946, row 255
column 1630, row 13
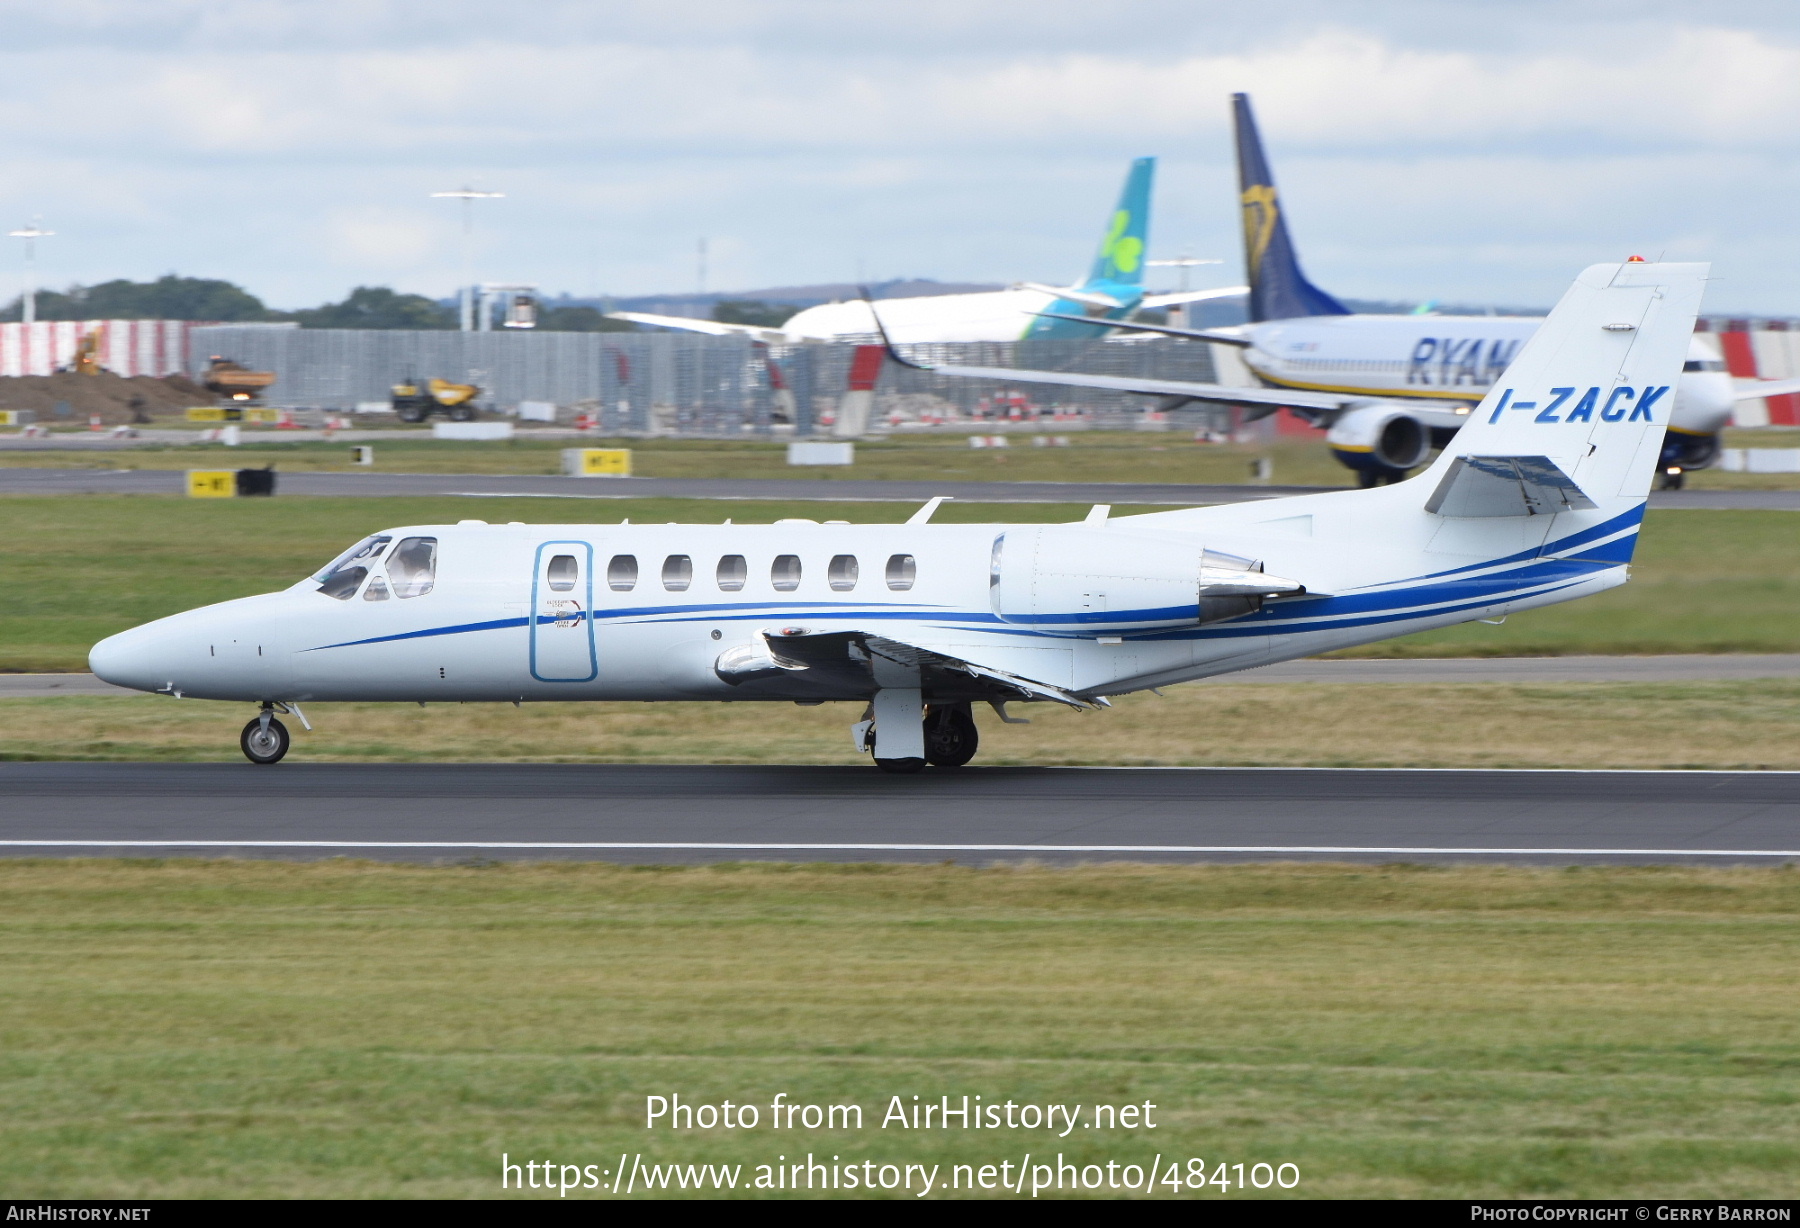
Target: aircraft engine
column 1082, row 579
column 1381, row 442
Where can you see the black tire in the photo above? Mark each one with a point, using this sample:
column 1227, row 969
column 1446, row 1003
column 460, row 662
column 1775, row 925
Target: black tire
column 951, row 738
column 262, row 749
column 1672, row 481
column 461, row 413
column 408, row 413
column 901, row 767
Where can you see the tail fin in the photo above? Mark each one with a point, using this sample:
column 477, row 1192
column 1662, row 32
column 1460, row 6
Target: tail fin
column 1121, row 256
column 1278, row 289
column 1576, row 423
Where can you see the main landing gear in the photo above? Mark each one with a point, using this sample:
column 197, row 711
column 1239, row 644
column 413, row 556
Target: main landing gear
column 265, row 739
column 950, row 739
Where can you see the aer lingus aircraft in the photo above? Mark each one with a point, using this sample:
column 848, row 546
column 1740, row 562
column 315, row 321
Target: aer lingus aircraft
column 1536, row 500
column 1390, row 388
column 1113, row 290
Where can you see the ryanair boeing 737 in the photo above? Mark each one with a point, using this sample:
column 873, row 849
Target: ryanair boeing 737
column 1389, row 388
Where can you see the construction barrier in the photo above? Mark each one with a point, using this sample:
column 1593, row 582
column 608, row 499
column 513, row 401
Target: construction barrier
column 125, row 347
column 17, row 417
column 597, row 462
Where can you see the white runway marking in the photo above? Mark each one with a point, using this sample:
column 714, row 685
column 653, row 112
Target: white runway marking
column 714, row 847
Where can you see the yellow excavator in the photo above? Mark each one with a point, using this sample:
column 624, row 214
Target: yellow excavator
column 415, row 403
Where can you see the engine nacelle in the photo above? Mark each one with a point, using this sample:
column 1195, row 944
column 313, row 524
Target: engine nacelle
column 1081, row 579
column 1380, row 439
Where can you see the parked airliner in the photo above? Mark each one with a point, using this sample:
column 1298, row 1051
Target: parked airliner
column 1113, row 290
column 1537, row 500
column 1390, row 388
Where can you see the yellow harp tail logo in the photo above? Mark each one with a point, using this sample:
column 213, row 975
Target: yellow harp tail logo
column 1260, row 212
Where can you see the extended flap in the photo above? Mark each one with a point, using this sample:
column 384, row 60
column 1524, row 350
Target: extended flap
column 1506, row 486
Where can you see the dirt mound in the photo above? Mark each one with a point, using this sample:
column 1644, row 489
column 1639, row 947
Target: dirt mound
column 106, row 394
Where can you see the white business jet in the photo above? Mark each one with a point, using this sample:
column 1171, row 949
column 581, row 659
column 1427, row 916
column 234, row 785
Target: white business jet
column 1537, row 500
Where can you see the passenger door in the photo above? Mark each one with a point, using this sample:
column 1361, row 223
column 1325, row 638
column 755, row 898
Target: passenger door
column 562, row 604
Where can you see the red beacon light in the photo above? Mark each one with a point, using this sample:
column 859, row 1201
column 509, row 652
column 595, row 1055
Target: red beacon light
column 1634, row 260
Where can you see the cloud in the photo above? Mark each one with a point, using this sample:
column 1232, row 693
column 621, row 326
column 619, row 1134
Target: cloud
column 1438, row 151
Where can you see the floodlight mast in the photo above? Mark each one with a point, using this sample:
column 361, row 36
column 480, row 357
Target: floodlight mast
column 466, row 296
column 31, row 234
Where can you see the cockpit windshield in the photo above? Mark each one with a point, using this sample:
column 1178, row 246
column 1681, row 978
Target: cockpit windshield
column 351, row 568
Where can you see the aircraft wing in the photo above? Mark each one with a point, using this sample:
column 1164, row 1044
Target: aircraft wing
column 1093, row 298
column 772, row 336
column 1749, row 389
column 1222, row 335
column 834, row 651
column 1180, row 390
column 1177, row 297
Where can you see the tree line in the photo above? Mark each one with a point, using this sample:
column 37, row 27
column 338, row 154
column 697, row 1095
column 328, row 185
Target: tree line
column 202, row 298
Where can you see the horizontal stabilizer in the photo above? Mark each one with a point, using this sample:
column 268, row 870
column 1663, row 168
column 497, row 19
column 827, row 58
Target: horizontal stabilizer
column 1175, row 298
column 1750, row 389
column 1506, row 486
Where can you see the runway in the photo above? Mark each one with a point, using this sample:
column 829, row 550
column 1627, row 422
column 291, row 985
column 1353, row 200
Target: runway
column 22, row 481
column 660, row 814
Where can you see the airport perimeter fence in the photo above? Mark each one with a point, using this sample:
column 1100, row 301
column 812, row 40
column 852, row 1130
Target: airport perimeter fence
column 691, row 384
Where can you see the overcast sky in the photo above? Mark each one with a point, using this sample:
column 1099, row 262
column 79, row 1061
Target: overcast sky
column 1463, row 150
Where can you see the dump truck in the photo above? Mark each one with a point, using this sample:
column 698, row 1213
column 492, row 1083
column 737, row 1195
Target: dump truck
column 233, row 382
column 415, row 402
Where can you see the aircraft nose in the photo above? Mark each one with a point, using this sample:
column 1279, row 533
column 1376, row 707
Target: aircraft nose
column 129, row 659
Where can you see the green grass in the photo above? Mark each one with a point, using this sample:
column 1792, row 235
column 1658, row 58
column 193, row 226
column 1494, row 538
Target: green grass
column 1093, row 456
column 342, row 1029
column 74, row 570
column 1752, row 725
column 1090, row 457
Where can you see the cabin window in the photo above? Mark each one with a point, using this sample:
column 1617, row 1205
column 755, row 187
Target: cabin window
column 842, row 573
column 621, row 573
column 902, row 570
column 785, row 574
column 562, row 573
column 413, row 566
column 377, row 590
column 733, row 572
column 678, row 573
column 346, row 572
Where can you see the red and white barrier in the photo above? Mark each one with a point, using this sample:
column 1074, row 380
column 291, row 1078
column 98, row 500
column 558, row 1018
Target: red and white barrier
column 127, row 347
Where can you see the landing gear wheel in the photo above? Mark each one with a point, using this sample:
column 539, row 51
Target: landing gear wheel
column 951, row 738
column 901, row 767
column 1672, row 479
column 264, row 745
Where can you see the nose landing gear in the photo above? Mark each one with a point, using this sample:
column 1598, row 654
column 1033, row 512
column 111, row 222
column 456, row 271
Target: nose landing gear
column 265, row 739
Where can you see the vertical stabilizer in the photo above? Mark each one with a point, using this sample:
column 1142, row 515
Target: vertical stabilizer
column 1115, row 284
column 1278, row 289
column 1583, row 408
column 1120, row 260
